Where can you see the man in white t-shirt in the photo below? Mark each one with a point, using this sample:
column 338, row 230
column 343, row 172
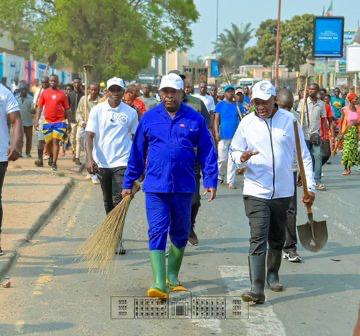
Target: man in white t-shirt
column 207, row 99
column 108, row 143
column 9, row 110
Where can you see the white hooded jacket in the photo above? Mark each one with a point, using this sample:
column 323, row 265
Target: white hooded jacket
column 269, row 174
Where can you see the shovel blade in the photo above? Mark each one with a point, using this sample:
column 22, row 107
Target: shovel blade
column 313, row 239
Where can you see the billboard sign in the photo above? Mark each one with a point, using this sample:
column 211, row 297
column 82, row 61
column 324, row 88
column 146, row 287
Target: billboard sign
column 214, row 68
column 353, row 58
column 328, row 36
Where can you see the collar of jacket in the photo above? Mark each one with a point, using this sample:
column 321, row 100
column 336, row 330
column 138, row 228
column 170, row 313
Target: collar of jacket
column 163, row 111
column 272, row 116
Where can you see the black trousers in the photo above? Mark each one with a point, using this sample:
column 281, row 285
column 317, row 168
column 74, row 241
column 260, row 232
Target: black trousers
column 267, row 218
column 325, row 151
column 111, row 180
column 290, row 228
column 3, row 167
column 195, row 202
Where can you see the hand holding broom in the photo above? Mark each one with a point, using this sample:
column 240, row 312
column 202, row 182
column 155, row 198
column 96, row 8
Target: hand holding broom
column 99, row 250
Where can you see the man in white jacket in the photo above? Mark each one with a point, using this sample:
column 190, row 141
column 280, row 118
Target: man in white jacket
column 265, row 143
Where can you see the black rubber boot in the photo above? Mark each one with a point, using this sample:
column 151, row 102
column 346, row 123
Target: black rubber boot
column 273, row 265
column 257, row 278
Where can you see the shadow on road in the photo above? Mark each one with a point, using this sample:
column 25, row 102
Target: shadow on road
column 46, row 328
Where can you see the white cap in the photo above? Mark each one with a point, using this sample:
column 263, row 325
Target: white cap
column 115, row 81
column 173, row 81
column 263, row 90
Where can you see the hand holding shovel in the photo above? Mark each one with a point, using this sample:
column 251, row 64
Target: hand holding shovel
column 313, row 235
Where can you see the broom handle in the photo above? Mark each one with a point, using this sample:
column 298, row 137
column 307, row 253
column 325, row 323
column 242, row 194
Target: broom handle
column 86, row 94
column 305, row 102
column 301, row 165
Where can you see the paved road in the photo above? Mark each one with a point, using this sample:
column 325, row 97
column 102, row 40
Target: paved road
column 53, row 294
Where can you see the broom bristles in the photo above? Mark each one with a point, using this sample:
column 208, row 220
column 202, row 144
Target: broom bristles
column 99, row 250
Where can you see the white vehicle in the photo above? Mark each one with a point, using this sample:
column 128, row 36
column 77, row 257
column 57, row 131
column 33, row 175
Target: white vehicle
column 249, row 82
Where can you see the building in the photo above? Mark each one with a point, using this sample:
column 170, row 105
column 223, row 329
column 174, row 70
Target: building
column 172, row 60
column 259, row 72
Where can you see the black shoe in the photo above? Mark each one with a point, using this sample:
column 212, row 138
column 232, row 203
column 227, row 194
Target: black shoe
column 120, row 248
column 39, row 163
column 193, row 239
column 77, row 162
column 257, row 278
column 54, row 167
column 50, row 161
column 273, row 265
column 1, row 251
column 292, row 256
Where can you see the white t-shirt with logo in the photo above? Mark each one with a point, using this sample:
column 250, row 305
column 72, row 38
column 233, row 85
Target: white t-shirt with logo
column 113, row 128
column 208, row 101
column 8, row 104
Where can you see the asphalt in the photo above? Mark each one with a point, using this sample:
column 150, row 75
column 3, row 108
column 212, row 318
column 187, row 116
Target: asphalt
column 52, row 292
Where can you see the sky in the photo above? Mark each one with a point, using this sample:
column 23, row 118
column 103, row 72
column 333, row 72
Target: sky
column 256, row 11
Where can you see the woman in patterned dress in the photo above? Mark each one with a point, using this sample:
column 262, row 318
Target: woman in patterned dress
column 350, row 122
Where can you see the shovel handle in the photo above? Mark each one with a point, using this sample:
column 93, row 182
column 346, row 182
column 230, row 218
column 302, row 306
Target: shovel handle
column 301, row 166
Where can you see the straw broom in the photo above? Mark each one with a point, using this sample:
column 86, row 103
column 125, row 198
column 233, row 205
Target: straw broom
column 99, row 250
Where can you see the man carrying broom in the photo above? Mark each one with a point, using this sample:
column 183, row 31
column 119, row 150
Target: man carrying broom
column 108, row 142
column 164, row 147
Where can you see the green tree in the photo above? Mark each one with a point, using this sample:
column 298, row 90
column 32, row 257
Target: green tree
column 297, row 40
column 230, row 45
column 252, row 55
column 264, row 51
column 117, row 37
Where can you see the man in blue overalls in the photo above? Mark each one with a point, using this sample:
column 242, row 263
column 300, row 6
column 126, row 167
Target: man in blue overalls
column 169, row 139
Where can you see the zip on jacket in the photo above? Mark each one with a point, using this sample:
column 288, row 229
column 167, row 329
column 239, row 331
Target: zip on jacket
column 275, row 158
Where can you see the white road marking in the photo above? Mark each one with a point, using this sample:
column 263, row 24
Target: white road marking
column 262, row 318
column 343, row 228
column 19, row 326
column 212, row 325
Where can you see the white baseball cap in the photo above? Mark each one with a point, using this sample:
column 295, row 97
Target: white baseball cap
column 173, row 81
column 115, row 81
column 263, row 90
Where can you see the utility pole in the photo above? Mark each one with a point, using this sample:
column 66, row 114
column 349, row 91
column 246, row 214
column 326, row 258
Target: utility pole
column 278, row 39
column 217, row 20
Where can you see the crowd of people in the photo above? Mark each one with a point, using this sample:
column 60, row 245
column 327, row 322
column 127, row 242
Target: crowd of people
column 173, row 139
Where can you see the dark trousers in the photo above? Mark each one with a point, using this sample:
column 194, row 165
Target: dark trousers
column 267, row 218
column 325, row 151
column 315, row 152
column 195, row 202
column 3, row 167
column 111, row 180
column 290, row 227
column 28, row 131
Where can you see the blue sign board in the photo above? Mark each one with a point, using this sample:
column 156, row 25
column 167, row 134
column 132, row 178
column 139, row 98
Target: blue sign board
column 214, row 68
column 328, row 36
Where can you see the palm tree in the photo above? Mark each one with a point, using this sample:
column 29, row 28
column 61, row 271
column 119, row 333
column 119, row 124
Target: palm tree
column 230, row 45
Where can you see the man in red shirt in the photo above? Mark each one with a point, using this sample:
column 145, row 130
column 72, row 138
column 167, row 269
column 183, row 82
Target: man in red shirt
column 131, row 98
column 56, row 109
column 327, row 130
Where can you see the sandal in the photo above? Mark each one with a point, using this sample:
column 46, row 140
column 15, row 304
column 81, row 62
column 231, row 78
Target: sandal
column 320, row 187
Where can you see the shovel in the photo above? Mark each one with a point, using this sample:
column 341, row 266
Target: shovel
column 313, row 235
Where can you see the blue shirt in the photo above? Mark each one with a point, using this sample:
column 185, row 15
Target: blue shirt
column 229, row 119
column 166, row 149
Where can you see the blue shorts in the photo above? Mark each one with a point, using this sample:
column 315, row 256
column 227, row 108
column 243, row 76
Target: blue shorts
column 168, row 213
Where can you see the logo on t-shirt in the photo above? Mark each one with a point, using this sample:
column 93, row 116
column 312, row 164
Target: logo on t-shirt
column 53, row 97
column 123, row 118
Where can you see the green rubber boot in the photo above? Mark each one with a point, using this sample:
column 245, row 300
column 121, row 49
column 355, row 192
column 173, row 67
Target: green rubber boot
column 174, row 263
column 159, row 288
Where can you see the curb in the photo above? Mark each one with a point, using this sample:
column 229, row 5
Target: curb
column 8, row 260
